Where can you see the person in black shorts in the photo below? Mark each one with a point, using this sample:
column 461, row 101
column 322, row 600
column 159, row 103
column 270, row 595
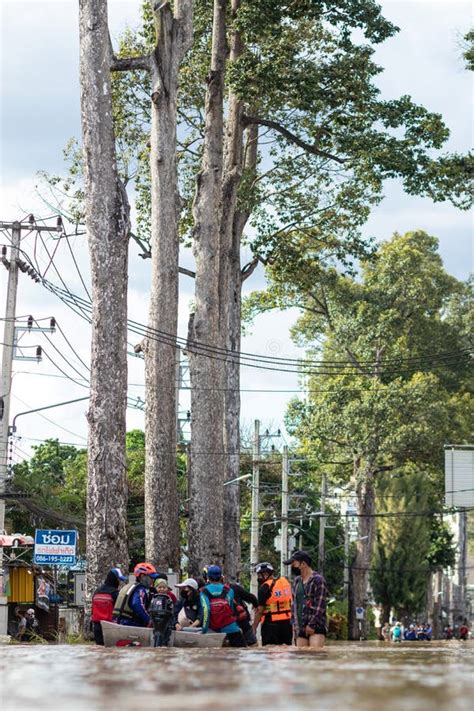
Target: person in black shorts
column 274, row 607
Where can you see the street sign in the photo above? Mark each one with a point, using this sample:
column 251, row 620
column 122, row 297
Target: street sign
column 360, row 612
column 55, row 547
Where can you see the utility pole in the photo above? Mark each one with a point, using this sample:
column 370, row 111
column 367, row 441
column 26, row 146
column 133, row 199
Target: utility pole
column 346, row 557
column 254, row 528
column 284, row 512
column 13, row 266
column 7, row 363
column 322, row 525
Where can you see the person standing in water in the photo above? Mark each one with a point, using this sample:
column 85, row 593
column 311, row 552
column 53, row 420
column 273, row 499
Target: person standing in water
column 309, row 602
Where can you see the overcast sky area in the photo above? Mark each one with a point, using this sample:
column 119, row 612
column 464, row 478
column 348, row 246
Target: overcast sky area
column 40, row 112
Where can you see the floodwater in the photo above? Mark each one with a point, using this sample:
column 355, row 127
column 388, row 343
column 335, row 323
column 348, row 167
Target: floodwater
column 361, row 676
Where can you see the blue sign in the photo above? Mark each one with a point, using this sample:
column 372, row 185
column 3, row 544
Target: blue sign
column 55, row 547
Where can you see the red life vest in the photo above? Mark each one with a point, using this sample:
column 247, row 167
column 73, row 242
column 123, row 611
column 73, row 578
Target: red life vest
column 221, row 612
column 102, row 607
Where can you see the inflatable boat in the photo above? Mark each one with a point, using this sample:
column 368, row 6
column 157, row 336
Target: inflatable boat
column 124, row 636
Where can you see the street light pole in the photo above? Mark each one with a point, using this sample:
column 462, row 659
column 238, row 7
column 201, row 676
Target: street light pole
column 254, row 528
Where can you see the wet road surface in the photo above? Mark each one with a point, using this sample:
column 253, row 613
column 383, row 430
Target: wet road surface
column 360, row 676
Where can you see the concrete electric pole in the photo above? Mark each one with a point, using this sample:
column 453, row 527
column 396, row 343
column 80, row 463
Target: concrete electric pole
column 284, row 512
column 254, row 528
column 322, row 525
column 13, row 266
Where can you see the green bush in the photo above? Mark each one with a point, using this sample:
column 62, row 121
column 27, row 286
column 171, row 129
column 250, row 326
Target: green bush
column 337, row 620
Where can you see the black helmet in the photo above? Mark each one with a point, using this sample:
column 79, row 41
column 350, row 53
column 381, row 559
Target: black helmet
column 264, row 568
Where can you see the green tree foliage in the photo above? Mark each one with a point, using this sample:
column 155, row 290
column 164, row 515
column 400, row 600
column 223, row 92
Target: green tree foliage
column 392, row 397
column 328, row 139
column 392, row 384
column 468, row 53
column 55, row 479
column 408, row 547
column 48, row 480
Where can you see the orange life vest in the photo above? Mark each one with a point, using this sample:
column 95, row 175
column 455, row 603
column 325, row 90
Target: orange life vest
column 278, row 605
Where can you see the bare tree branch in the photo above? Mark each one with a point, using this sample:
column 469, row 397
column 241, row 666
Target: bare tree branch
column 249, row 268
column 293, row 138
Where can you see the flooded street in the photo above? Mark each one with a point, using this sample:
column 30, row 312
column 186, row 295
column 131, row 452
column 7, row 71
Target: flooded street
column 361, row 676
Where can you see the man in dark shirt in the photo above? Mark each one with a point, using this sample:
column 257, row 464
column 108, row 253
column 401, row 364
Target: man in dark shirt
column 309, row 602
column 274, row 607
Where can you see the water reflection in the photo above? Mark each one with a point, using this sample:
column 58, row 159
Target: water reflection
column 365, row 677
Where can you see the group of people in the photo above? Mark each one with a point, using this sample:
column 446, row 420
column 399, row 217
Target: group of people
column 457, row 632
column 397, row 632
column 287, row 613
column 416, row 632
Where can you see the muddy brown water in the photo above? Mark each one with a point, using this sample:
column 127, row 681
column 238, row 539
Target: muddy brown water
column 357, row 676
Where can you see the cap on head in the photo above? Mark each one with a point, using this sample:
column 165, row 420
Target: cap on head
column 214, row 572
column 118, row 574
column 188, row 583
column 264, row 568
column 30, row 611
column 161, row 583
column 298, row 557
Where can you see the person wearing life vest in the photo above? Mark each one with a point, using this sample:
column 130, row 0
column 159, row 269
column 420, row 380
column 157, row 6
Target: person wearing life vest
column 274, row 607
column 131, row 606
column 217, row 600
column 103, row 601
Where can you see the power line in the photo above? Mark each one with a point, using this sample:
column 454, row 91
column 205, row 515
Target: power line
column 71, row 347
column 243, row 358
column 51, row 421
column 336, row 368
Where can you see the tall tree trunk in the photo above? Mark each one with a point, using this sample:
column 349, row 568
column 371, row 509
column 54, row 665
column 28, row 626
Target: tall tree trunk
column 364, row 547
column 107, row 223
column 232, row 284
column 386, row 609
column 206, row 539
column 162, row 532
column 233, row 290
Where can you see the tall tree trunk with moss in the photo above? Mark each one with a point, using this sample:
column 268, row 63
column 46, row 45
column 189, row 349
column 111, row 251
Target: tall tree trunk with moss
column 108, row 226
column 206, row 539
column 162, row 533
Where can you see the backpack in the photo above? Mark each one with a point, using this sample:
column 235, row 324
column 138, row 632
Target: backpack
column 102, row 607
column 221, row 611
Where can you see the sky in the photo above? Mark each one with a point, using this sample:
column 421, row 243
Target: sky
column 40, row 113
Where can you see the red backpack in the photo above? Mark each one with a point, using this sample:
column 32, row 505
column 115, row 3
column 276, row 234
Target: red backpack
column 221, row 611
column 102, row 607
